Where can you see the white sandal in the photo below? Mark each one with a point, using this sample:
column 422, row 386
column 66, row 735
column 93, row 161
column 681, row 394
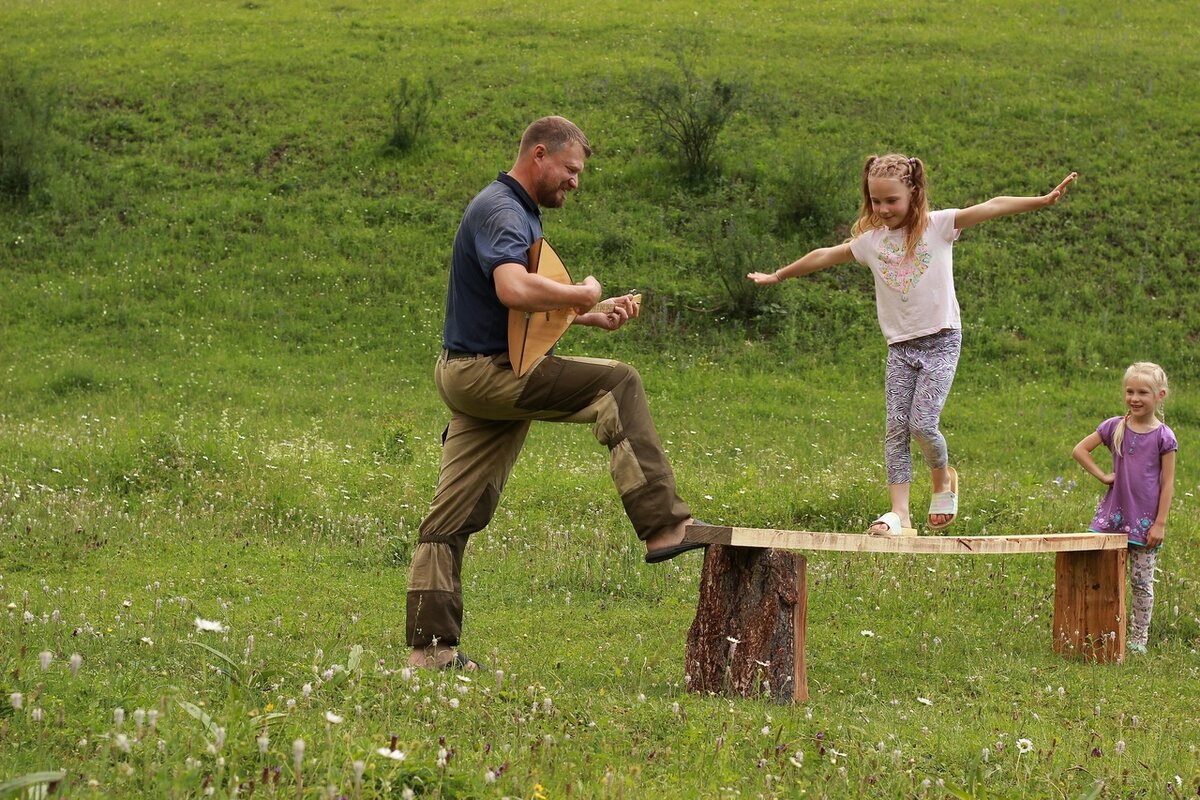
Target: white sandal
column 892, row 520
column 945, row 502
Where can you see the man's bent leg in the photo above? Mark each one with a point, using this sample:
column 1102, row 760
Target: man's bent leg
column 477, row 458
column 610, row 395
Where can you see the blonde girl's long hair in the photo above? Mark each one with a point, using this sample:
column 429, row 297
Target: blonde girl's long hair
column 1156, row 379
column 910, row 172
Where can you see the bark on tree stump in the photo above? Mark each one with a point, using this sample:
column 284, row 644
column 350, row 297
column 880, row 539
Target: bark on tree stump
column 747, row 639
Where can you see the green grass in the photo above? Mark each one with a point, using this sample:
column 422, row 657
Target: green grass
column 221, row 311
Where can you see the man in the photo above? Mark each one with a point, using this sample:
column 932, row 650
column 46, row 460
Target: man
column 491, row 408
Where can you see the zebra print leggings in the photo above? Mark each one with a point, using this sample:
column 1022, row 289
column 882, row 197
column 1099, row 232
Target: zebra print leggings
column 917, row 383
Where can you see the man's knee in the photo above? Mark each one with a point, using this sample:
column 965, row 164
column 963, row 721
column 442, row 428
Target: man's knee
column 445, row 522
column 626, row 378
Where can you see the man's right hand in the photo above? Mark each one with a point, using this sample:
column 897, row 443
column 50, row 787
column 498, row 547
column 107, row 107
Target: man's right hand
column 592, row 296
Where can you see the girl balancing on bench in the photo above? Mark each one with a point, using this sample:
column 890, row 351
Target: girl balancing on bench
column 909, row 251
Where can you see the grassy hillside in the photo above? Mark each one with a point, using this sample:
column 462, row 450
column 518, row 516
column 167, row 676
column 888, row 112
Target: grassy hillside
column 223, row 300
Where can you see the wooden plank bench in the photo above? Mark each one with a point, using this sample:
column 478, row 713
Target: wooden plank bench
column 749, row 633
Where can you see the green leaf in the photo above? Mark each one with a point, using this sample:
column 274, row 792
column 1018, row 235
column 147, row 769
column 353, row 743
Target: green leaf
column 199, row 714
column 32, row 779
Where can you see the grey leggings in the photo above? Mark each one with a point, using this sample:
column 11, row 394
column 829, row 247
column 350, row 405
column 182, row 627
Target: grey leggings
column 917, row 383
column 1141, row 580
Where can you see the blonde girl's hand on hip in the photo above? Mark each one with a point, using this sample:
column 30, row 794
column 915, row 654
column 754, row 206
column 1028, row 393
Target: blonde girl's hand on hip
column 1109, row 478
column 1058, row 191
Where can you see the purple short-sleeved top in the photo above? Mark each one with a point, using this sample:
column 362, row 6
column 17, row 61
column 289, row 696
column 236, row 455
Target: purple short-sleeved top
column 1131, row 504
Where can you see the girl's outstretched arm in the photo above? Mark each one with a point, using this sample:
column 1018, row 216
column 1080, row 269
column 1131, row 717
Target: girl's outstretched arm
column 1004, row 206
column 1083, row 454
column 812, row 261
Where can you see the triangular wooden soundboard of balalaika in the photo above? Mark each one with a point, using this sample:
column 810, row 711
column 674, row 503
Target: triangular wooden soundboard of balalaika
column 531, row 334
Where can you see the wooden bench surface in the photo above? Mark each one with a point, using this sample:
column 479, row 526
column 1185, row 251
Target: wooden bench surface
column 933, row 544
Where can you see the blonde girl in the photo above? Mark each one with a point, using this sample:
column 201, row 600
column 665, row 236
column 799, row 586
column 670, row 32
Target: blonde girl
column 909, row 251
column 1140, row 485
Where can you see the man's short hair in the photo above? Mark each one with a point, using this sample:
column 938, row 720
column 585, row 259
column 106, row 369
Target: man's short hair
column 555, row 133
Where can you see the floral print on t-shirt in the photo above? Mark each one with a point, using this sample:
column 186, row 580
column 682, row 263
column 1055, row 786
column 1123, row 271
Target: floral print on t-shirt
column 897, row 270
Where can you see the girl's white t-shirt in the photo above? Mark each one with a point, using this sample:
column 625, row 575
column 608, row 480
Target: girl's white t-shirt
column 914, row 296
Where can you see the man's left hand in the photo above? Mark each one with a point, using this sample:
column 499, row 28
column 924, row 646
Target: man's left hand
column 624, row 308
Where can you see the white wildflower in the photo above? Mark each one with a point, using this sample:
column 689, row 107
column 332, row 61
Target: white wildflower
column 1024, row 745
column 209, row 625
column 394, row 755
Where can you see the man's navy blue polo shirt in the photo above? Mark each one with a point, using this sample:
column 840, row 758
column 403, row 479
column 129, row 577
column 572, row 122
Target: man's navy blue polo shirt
column 498, row 227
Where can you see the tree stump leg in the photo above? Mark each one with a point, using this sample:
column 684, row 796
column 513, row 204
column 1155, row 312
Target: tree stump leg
column 747, row 639
column 1089, row 604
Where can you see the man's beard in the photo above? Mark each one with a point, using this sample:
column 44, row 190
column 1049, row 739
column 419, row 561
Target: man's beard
column 551, row 195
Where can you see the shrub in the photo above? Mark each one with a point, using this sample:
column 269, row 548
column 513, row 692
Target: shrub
column 817, row 197
column 26, row 110
column 411, row 103
column 739, row 238
column 686, row 113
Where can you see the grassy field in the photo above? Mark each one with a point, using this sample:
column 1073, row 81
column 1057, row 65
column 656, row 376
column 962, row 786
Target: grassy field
column 222, row 303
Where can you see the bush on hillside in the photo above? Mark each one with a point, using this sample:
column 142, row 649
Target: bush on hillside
column 686, row 112
column 815, row 199
column 411, row 103
column 738, row 238
column 26, row 110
